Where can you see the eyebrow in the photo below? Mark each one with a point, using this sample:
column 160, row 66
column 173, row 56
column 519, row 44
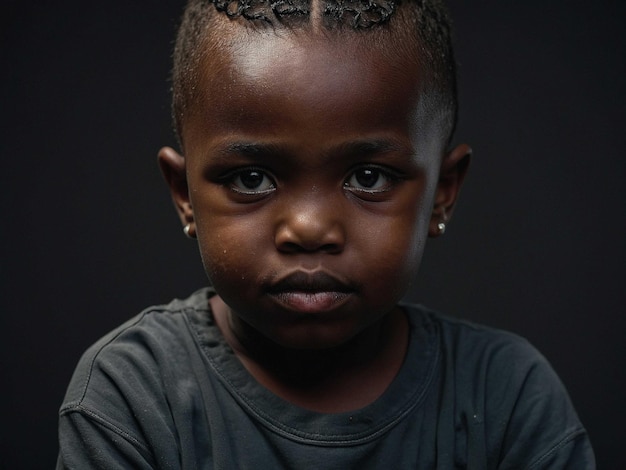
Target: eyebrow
column 356, row 148
column 251, row 149
column 368, row 147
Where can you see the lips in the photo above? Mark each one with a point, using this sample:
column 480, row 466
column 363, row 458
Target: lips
column 310, row 292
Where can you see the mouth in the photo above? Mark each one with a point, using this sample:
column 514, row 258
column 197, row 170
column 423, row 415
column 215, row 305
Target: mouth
column 310, row 292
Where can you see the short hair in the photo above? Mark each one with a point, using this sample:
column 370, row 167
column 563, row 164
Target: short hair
column 425, row 22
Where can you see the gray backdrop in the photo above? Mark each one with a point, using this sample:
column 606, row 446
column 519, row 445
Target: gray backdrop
column 90, row 237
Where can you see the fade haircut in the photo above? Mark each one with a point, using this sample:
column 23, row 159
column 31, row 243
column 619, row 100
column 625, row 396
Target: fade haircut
column 423, row 23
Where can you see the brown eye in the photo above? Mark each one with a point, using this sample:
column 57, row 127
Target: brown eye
column 251, row 179
column 369, row 179
column 252, row 182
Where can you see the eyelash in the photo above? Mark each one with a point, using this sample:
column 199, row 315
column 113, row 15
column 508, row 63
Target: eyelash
column 233, row 180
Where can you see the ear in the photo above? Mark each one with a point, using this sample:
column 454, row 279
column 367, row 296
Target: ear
column 453, row 169
column 173, row 168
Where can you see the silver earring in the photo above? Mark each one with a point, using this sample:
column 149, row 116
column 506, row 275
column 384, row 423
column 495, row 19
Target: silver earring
column 442, row 228
column 186, row 230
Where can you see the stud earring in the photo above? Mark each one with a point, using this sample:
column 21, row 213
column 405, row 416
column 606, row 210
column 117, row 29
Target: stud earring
column 186, row 230
column 442, row 228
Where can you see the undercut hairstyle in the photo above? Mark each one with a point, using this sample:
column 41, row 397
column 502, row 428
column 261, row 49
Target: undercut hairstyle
column 423, row 23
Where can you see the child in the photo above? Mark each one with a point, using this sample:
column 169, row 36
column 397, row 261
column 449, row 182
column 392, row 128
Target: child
column 315, row 163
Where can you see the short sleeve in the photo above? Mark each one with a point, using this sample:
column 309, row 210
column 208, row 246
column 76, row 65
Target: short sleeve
column 543, row 431
column 512, row 412
column 89, row 441
column 117, row 409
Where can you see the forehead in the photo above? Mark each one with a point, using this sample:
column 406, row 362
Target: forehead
column 276, row 82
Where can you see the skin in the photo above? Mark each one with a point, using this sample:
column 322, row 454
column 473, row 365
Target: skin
column 312, row 185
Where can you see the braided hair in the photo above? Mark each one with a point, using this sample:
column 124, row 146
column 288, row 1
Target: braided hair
column 425, row 22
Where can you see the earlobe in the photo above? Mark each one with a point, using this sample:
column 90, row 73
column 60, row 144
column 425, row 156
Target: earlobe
column 453, row 169
column 173, row 168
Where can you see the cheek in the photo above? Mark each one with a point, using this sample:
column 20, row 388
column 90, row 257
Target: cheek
column 231, row 249
column 395, row 249
column 221, row 235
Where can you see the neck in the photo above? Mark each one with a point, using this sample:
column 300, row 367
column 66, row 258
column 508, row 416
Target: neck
column 343, row 378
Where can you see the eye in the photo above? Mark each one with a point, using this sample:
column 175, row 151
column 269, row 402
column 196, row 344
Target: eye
column 370, row 180
column 251, row 182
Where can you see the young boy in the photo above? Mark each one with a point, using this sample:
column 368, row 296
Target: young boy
column 314, row 165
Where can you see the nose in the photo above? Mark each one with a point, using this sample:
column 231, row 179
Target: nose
column 310, row 226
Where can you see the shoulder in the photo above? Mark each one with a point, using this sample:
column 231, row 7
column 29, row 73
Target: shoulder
column 126, row 384
column 501, row 386
column 155, row 329
column 131, row 364
column 480, row 349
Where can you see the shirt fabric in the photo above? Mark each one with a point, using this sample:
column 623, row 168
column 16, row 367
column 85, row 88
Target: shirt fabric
column 165, row 391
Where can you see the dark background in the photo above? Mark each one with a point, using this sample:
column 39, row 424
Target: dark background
column 90, row 237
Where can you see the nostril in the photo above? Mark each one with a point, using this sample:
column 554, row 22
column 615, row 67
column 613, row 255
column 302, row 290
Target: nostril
column 289, row 247
column 299, row 247
column 331, row 248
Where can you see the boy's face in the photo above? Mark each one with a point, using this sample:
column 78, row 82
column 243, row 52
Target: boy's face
column 312, row 175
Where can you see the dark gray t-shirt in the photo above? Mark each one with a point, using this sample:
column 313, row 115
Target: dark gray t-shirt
column 165, row 391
